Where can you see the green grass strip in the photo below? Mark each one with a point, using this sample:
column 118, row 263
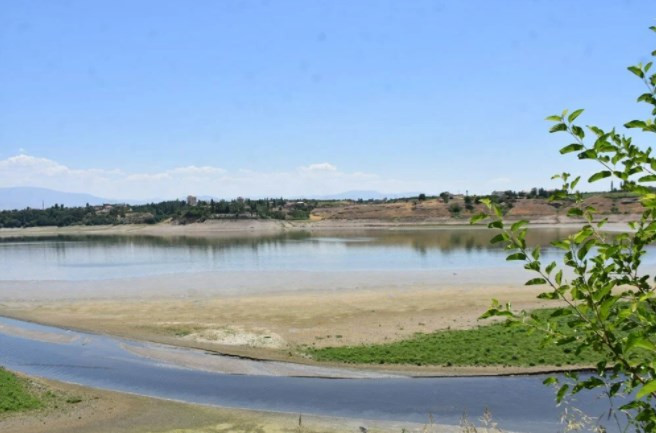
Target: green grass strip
column 15, row 395
column 488, row 345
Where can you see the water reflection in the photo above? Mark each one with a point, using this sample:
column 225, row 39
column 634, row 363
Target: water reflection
column 103, row 257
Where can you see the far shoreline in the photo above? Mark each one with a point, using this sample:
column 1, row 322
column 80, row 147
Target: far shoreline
column 260, row 227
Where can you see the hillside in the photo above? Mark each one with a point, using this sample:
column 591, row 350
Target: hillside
column 436, row 210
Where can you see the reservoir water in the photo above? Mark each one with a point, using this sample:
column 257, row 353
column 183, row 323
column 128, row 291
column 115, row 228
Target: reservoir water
column 98, row 258
column 67, row 267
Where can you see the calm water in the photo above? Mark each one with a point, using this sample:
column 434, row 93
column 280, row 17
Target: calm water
column 520, row 403
column 100, row 258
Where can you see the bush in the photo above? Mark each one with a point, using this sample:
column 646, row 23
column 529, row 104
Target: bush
column 610, row 304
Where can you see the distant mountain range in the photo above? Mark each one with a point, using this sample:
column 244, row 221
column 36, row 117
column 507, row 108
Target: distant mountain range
column 23, row 196
column 365, row 195
column 36, row 198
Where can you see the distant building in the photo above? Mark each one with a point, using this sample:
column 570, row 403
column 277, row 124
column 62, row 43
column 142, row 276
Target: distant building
column 192, row 200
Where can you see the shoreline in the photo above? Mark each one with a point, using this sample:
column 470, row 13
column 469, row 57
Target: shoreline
column 257, row 227
column 295, row 367
column 126, row 329
column 95, row 409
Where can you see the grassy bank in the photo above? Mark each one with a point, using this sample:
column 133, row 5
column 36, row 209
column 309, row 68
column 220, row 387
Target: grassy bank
column 15, row 394
column 488, row 345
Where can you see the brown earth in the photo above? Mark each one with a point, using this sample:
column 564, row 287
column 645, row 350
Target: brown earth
column 616, row 207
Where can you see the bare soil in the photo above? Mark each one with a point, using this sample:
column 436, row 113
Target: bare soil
column 280, row 326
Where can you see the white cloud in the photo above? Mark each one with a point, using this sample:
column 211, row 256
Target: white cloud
column 312, row 179
column 324, row 166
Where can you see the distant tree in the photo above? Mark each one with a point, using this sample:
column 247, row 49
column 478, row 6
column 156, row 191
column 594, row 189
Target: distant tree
column 445, row 196
column 455, row 208
column 469, row 203
column 421, row 197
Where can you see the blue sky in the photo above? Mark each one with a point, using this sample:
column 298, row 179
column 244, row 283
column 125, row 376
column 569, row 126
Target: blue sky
column 139, row 99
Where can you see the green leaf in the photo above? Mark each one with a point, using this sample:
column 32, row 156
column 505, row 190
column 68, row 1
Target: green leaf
column 572, row 117
column 637, row 341
column 478, row 217
column 583, row 251
column 597, row 131
column 559, row 277
column 578, row 131
column 588, row 154
column 600, row 175
column 649, row 388
column 498, row 238
column 518, row 225
column 636, row 70
column 554, row 118
column 635, row 124
column 550, row 267
column 550, row 381
column 516, row 256
column 498, row 224
column 649, row 178
column 558, row 127
column 574, row 147
column 536, row 282
column 561, row 393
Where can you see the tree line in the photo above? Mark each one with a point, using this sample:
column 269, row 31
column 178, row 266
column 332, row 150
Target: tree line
column 177, row 211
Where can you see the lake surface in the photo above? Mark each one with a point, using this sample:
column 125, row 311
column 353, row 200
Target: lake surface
column 99, row 258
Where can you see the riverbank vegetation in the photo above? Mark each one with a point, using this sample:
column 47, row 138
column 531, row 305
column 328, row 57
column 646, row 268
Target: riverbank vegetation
column 489, row 345
column 15, row 394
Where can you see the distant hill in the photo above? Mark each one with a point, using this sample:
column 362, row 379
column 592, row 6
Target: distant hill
column 365, row 195
column 23, row 197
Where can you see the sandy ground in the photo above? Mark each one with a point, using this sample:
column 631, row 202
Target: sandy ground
column 280, row 326
column 243, row 227
column 95, row 411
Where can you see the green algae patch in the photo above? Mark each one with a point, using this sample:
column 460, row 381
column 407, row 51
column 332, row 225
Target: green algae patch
column 15, row 394
column 489, row 345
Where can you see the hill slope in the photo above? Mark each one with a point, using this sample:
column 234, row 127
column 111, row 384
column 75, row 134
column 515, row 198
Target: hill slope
column 36, row 198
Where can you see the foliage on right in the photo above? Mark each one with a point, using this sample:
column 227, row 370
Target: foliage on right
column 608, row 303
